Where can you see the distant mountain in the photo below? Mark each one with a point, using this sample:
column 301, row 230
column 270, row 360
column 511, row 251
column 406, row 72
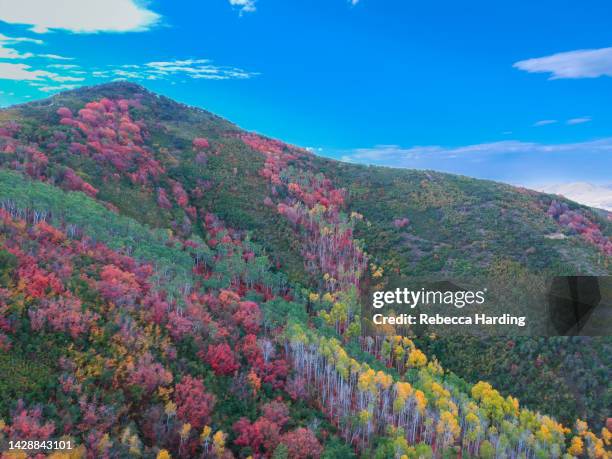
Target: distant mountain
column 584, row 193
column 174, row 286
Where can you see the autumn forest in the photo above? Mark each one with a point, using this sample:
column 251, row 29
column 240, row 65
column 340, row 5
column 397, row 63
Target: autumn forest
column 172, row 286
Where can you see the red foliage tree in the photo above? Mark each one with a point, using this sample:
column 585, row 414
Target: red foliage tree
column 221, row 358
column 277, row 412
column 75, row 183
column 262, row 436
column 28, row 424
column 118, row 285
column 194, row 404
column 162, row 199
column 148, row 374
column 302, row 444
column 64, row 112
column 248, row 316
column 200, row 143
column 179, row 194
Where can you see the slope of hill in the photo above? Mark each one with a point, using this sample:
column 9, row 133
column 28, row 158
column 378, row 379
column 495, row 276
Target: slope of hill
column 194, row 289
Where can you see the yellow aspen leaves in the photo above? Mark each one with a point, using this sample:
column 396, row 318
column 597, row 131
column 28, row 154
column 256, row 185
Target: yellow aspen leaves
column 185, row 430
column 421, row 401
column 417, row 359
column 328, row 297
column 448, row 427
column 383, row 380
column 170, row 409
column 606, row 436
column 366, row 381
column 577, row 447
column 206, row 431
column 403, row 390
column 219, row 442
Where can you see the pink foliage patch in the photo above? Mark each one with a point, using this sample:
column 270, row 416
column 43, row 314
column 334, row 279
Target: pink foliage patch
column 578, row 223
column 75, row 183
column 108, row 134
column 200, row 143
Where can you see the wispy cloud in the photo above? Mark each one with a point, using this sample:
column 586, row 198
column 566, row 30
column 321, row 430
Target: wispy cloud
column 23, row 72
column 57, row 88
column 583, row 63
column 510, row 161
column 63, row 66
column 40, row 77
column 79, row 16
column 163, row 70
column 245, row 6
column 544, row 122
column 581, row 120
column 12, row 40
column 8, row 52
column 396, row 156
column 55, row 57
column 197, row 69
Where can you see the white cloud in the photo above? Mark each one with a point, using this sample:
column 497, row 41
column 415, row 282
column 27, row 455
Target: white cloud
column 584, row 193
column 23, row 72
column 11, row 53
column 63, row 79
column 55, row 57
column 12, row 40
column 43, row 80
column 396, row 156
column 189, row 68
column 63, row 66
column 581, row 120
column 245, row 6
column 57, row 88
column 583, row 63
column 544, row 122
column 79, row 16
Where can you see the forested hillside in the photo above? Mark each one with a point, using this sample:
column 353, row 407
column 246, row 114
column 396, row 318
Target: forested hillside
column 174, row 286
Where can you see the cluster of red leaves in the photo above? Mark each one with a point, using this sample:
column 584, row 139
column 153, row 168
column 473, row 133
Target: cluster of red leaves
column 105, row 131
column 28, row 424
column 222, row 360
column 265, row 434
column 200, row 143
column 20, row 156
column 75, row 183
column 580, row 224
column 148, row 374
column 401, row 222
column 62, row 314
column 179, row 194
column 193, row 404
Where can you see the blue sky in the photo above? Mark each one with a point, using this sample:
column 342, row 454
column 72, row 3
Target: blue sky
column 517, row 91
